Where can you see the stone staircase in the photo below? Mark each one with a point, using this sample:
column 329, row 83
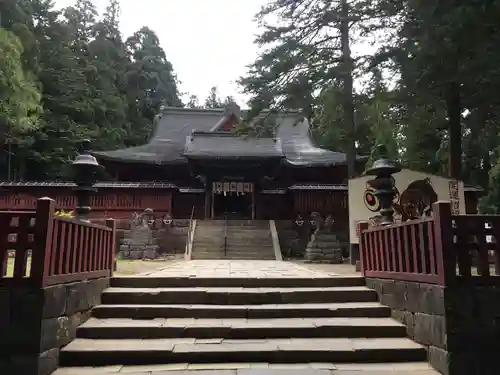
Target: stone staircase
column 292, row 324
column 245, row 239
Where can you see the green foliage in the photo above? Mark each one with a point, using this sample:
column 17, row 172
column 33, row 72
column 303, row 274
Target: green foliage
column 69, row 75
column 19, row 95
column 432, row 99
column 307, row 65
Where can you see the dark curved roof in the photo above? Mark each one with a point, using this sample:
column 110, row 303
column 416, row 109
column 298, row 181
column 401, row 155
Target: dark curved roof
column 226, row 145
column 181, row 133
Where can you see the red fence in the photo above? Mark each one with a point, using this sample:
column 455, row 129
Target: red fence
column 38, row 248
column 441, row 250
column 120, row 203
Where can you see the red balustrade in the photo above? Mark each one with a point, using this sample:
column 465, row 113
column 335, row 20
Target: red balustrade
column 443, row 249
column 39, row 248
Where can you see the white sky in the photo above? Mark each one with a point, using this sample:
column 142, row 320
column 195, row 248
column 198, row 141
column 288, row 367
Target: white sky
column 208, row 42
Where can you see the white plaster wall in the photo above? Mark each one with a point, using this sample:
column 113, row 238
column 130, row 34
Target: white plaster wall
column 357, row 186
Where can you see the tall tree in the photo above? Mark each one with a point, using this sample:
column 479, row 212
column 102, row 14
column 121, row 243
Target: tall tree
column 19, row 96
column 193, row 102
column 151, row 82
column 309, row 50
column 214, row 101
column 92, row 84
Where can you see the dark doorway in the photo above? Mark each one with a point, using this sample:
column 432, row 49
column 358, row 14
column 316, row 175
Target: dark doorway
column 232, row 205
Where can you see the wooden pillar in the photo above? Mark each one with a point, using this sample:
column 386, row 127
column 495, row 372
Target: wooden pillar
column 209, row 202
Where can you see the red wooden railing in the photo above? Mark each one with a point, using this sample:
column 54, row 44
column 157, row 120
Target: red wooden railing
column 46, row 249
column 443, row 250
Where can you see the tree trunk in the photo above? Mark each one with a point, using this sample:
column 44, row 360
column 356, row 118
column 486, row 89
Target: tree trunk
column 454, row 110
column 348, row 105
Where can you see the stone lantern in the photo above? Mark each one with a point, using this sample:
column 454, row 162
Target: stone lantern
column 85, row 169
column 383, row 184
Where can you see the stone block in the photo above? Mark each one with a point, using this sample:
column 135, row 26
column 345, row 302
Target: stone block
column 48, row 362
column 432, row 299
column 78, row 297
column 54, row 301
column 430, row 330
column 36, row 364
column 52, row 330
column 374, row 284
column 406, row 318
column 81, row 296
column 439, row 359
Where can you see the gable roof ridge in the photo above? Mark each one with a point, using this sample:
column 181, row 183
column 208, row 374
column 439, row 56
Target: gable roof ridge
column 230, row 110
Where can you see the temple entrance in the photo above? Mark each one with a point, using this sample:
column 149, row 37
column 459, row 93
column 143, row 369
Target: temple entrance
column 232, row 200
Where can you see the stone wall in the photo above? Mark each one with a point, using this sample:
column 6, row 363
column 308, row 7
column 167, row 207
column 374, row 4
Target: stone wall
column 459, row 324
column 35, row 323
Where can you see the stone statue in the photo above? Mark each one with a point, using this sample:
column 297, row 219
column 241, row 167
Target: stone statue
column 318, row 221
column 139, row 242
column 145, row 219
column 329, row 222
column 324, row 247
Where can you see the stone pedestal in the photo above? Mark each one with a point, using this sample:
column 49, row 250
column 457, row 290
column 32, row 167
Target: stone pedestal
column 324, row 247
column 139, row 243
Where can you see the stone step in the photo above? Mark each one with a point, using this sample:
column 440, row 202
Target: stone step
column 216, row 253
column 241, row 258
column 258, row 368
column 88, row 352
column 208, row 236
column 233, row 251
column 235, row 248
column 237, row 296
column 245, row 245
column 236, row 282
column 319, row 310
column 234, row 223
column 248, row 232
column 249, row 250
column 213, row 256
column 237, row 328
column 250, row 243
column 232, row 257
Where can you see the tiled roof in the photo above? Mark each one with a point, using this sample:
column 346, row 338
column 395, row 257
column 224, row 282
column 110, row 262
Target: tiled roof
column 173, row 140
column 227, row 145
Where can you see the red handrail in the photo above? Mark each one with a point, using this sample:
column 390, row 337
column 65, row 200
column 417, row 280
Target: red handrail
column 47, row 249
column 444, row 249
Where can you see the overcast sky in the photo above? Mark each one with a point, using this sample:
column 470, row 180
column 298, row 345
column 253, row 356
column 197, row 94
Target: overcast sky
column 209, row 43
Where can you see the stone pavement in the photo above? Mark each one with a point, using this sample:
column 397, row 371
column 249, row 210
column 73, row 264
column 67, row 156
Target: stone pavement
column 257, row 369
column 244, row 269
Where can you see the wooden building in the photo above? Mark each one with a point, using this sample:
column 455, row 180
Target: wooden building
column 195, row 162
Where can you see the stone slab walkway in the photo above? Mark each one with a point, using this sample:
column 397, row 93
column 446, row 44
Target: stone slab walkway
column 258, row 369
column 243, row 269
